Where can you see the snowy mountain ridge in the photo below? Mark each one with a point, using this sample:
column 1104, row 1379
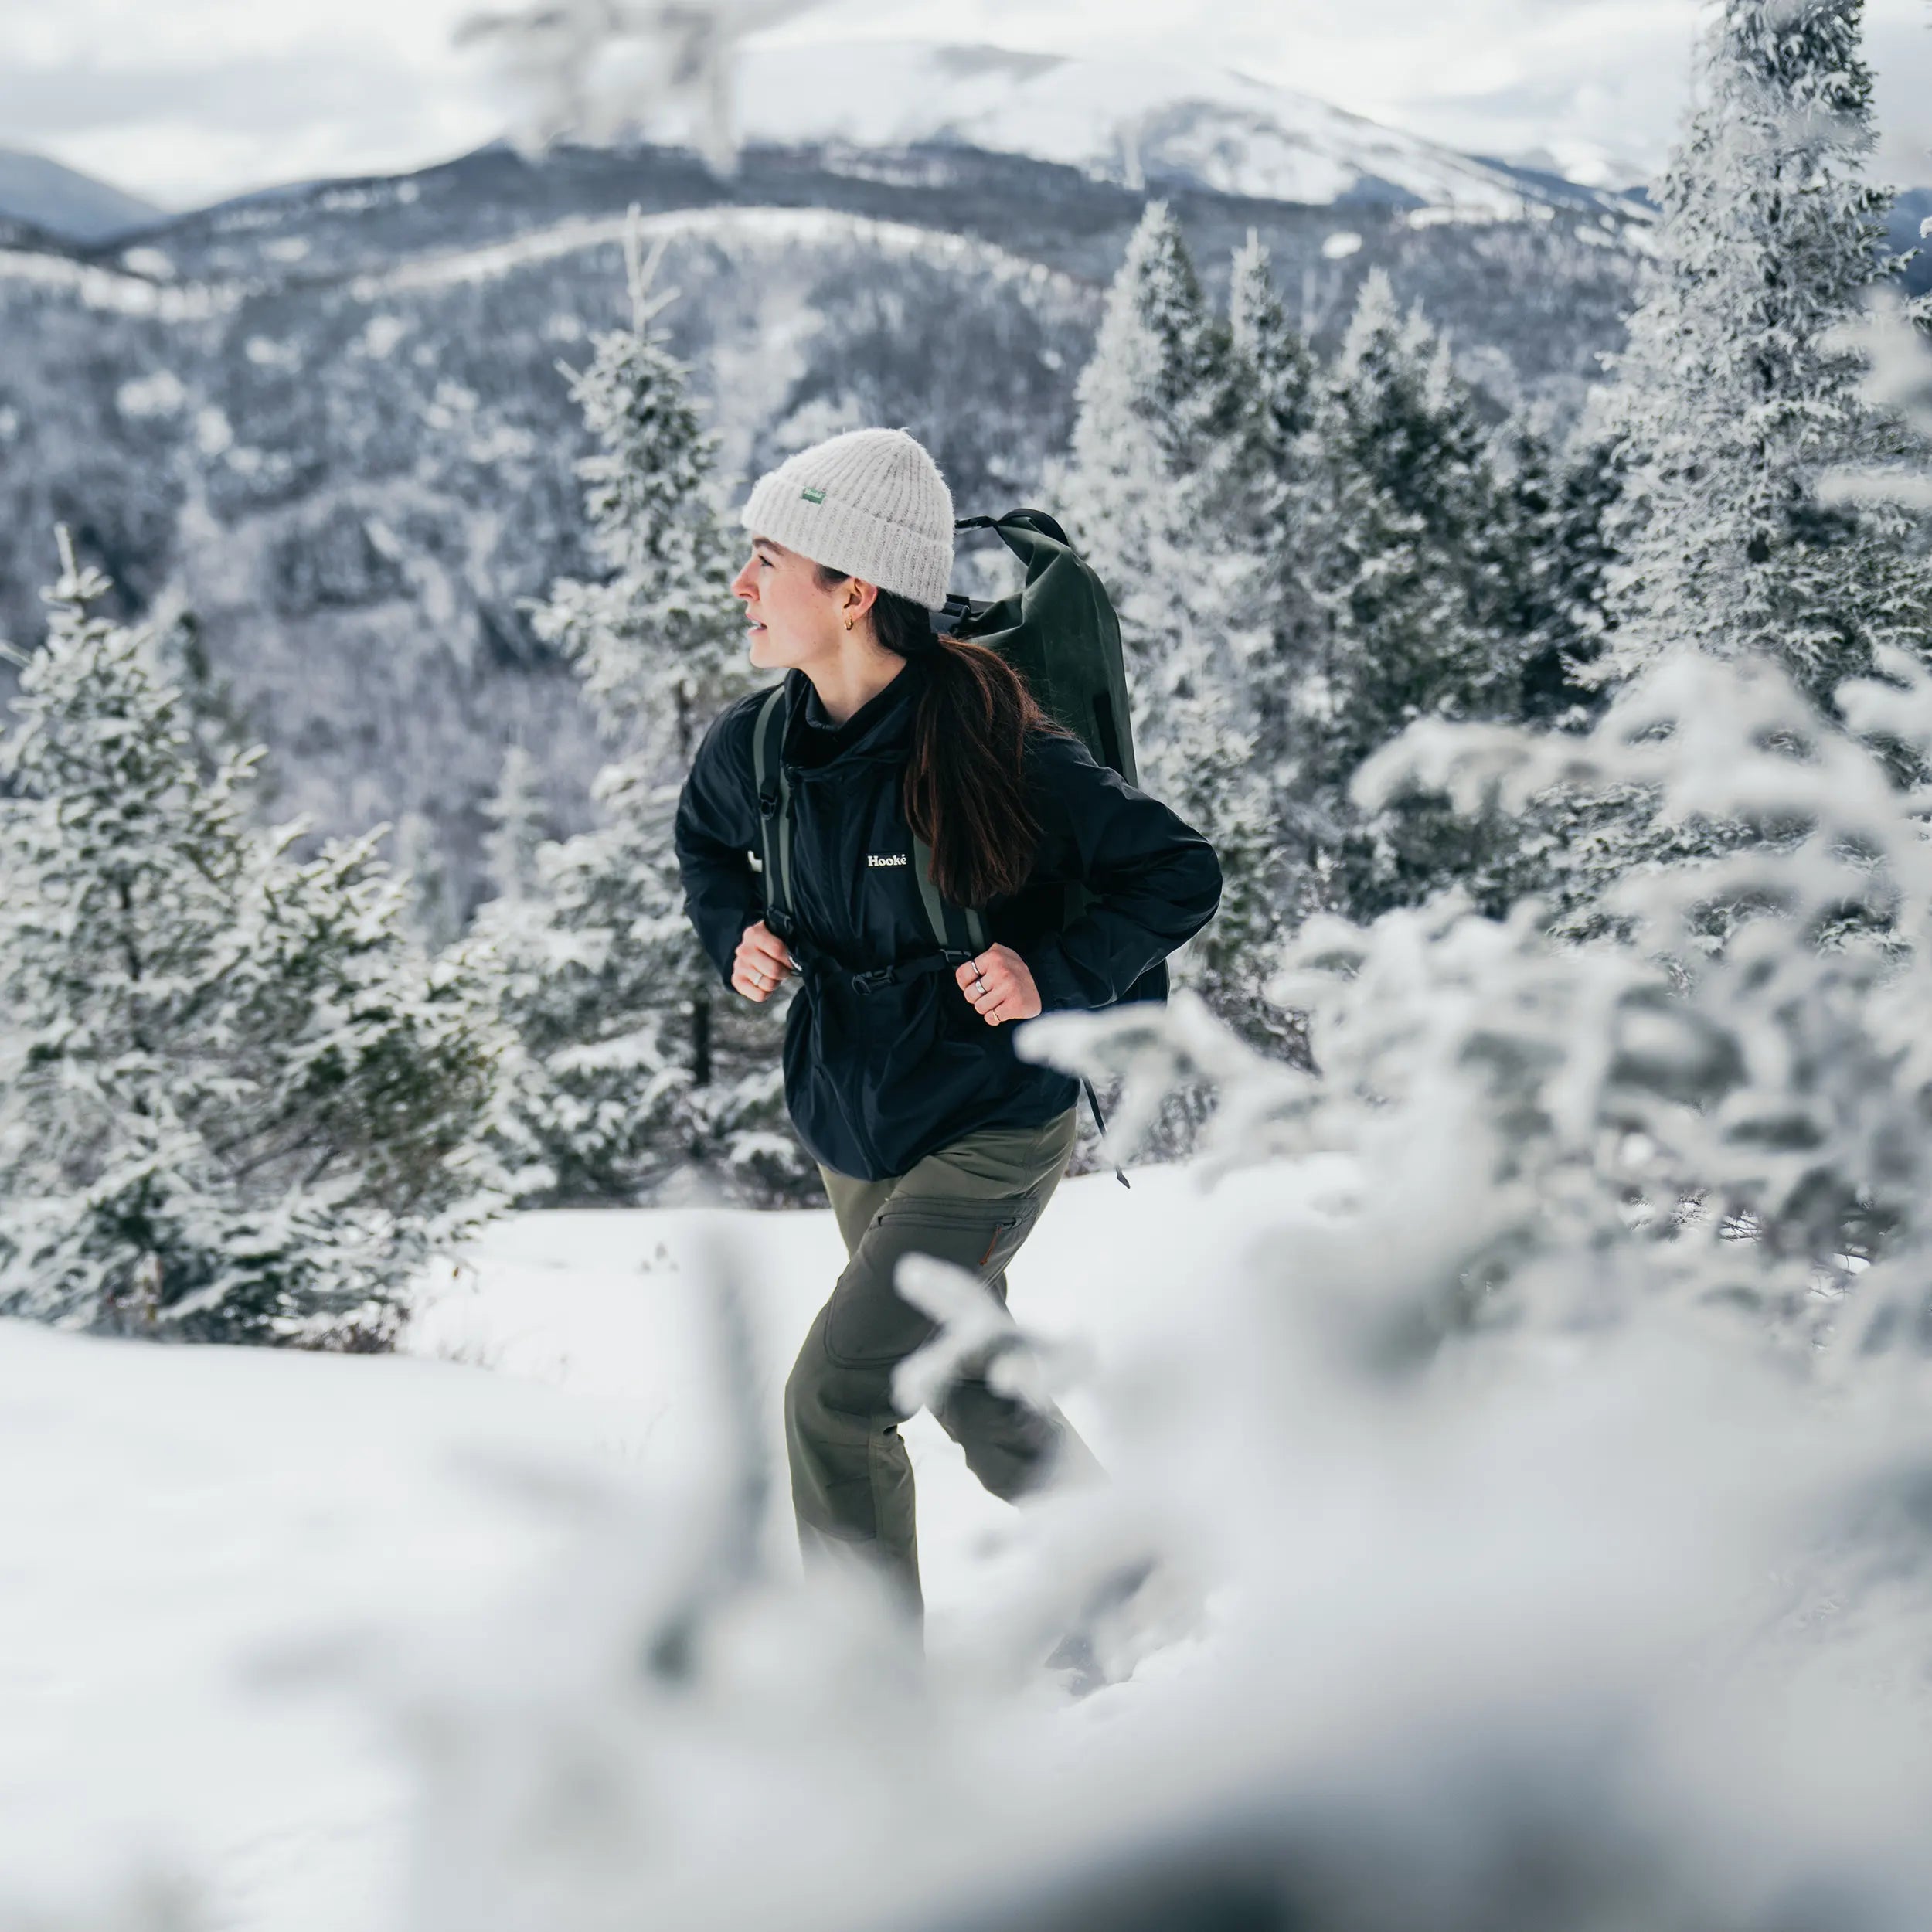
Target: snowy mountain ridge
column 722, row 226
column 1138, row 124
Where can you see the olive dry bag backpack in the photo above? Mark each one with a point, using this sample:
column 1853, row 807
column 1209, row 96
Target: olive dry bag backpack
column 1059, row 631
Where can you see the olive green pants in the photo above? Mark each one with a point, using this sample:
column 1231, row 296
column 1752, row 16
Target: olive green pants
column 971, row 1204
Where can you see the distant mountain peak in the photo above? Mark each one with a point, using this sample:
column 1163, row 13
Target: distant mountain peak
column 1143, row 124
column 66, row 203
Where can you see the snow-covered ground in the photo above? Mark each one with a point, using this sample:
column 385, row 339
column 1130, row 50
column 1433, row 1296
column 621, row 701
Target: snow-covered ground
column 197, row 1545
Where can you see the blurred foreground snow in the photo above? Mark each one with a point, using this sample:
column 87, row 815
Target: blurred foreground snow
column 1544, row 1633
column 201, row 1547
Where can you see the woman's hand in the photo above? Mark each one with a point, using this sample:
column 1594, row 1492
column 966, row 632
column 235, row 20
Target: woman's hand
column 999, row 986
column 761, row 961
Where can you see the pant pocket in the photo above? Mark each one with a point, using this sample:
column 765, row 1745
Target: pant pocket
column 867, row 1321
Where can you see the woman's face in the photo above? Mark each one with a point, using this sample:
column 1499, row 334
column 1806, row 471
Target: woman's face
column 796, row 622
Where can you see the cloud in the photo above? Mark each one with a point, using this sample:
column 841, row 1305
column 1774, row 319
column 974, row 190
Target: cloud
column 226, row 126
column 200, row 98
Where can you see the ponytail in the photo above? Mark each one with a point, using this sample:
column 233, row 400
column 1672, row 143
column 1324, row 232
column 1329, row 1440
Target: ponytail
column 965, row 790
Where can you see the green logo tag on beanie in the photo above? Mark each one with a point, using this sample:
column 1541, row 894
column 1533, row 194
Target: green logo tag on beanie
column 813, row 496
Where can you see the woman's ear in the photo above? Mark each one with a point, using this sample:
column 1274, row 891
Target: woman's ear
column 860, row 597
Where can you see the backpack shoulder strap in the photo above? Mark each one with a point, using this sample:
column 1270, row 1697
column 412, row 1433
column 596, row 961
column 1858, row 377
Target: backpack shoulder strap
column 774, row 803
column 950, row 923
column 957, row 929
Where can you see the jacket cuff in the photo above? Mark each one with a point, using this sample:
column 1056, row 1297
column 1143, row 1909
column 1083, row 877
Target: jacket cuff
column 1053, row 978
column 729, row 933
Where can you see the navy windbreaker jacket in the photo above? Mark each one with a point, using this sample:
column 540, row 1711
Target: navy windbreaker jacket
column 877, row 1078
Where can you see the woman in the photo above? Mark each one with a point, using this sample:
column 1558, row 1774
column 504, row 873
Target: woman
column 934, row 1137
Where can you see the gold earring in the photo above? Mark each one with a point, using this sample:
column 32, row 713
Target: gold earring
column 849, row 623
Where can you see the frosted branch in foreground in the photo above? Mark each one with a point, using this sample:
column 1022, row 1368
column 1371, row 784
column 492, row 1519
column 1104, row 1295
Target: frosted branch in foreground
column 977, row 1335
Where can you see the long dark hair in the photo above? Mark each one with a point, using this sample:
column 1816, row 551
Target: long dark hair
column 966, row 781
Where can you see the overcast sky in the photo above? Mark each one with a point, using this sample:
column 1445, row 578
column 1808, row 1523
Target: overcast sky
column 185, row 100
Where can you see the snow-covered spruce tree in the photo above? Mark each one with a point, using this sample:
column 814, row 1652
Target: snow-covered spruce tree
column 1154, row 411
column 1551, row 548
column 1275, row 380
column 1734, row 396
column 654, row 639
column 234, row 1100
column 1267, row 507
column 518, row 818
column 1556, row 554
column 220, row 723
column 1416, row 558
column 631, row 1064
column 1153, row 495
column 417, row 855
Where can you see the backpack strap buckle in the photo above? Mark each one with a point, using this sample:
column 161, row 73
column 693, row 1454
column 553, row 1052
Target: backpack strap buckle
column 956, row 610
column 948, row 961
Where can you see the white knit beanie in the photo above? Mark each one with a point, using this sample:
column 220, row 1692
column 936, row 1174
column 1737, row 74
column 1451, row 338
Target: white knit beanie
column 871, row 503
